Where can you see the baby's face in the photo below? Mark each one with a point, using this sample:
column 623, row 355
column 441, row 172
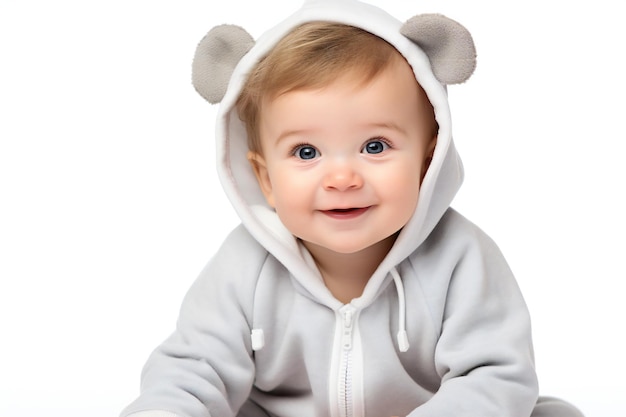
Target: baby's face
column 342, row 165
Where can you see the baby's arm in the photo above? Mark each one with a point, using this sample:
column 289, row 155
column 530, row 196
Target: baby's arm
column 205, row 367
column 484, row 353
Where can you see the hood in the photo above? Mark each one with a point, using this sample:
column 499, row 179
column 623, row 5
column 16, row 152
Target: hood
column 439, row 50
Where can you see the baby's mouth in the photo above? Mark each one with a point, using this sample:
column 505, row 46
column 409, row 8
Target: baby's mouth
column 345, row 213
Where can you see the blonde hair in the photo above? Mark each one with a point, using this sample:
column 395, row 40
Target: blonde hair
column 311, row 56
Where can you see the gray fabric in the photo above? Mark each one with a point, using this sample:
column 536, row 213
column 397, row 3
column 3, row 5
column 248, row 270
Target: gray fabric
column 216, row 56
column 447, row 43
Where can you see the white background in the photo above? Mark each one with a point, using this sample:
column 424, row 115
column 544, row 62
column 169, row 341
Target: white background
column 109, row 203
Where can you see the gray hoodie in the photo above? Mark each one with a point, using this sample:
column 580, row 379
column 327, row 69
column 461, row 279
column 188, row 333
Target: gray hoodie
column 441, row 328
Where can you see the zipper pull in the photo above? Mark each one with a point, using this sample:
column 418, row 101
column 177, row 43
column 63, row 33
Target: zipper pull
column 347, row 312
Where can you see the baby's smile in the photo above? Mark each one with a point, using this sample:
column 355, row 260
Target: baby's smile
column 346, row 213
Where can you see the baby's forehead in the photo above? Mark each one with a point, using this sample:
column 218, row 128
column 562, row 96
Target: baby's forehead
column 390, row 99
column 347, row 76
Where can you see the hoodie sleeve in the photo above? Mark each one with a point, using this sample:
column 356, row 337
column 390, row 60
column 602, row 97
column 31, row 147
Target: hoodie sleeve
column 205, row 368
column 484, row 354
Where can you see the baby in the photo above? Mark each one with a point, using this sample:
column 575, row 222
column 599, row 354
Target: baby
column 351, row 287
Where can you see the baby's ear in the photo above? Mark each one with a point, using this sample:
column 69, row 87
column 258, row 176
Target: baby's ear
column 216, row 56
column 448, row 44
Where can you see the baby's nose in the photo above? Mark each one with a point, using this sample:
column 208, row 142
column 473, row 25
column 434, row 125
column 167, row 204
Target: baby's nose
column 342, row 177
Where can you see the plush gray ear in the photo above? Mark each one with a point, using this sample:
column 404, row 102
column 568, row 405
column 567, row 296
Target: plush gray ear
column 447, row 43
column 216, row 56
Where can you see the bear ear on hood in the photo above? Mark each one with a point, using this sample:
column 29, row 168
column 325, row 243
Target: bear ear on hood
column 215, row 59
column 447, row 43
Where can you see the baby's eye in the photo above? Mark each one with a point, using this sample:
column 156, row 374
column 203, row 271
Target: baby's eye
column 375, row 146
column 306, row 152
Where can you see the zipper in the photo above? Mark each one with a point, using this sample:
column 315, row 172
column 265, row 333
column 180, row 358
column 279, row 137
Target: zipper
column 345, row 377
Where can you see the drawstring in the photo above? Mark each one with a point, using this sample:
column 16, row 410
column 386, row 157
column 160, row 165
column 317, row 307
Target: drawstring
column 403, row 339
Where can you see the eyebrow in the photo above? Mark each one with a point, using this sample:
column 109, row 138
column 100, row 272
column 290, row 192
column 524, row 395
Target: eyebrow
column 387, row 125
column 291, row 132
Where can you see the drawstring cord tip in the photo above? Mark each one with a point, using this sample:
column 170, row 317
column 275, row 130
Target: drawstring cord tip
column 258, row 339
column 403, row 341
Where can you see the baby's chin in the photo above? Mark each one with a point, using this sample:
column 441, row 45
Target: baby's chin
column 350, row 247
